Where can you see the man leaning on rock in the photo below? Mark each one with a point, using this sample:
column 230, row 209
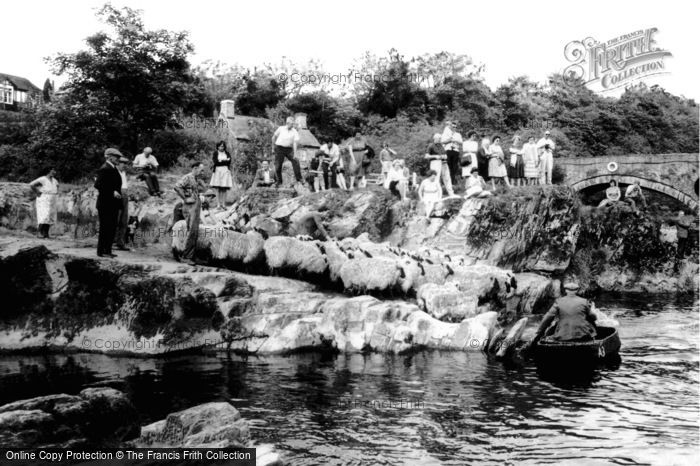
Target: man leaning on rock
column 188, row 189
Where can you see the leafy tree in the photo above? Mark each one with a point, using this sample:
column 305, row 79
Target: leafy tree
column 393, row 90
column 471, row 98
column 256, row 92
column 136, row 77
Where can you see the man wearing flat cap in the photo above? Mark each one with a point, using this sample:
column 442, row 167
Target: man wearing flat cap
column 109, row 201
column 574, row 319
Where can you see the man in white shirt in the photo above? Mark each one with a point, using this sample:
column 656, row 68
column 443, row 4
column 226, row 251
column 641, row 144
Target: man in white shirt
column 147, row 164
column 123, row 220
column 452, row 142
column 546, row 147
column 284, row 145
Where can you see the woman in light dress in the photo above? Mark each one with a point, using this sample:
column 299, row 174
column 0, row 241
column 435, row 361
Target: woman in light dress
column 531, row 162
column 497, row 166
column 46, row 189
column 430, row 192
column 386, row 155
column 221, row 179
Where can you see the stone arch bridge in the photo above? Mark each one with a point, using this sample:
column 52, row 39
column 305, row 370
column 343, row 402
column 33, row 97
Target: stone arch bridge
column 675, row 175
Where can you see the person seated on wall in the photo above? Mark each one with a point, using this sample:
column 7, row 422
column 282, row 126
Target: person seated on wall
column 147, row 166
column 475, row 185
column 634, row 195
column 265, row 177
column 569, row 319
column 612, row 194
column 396, row 180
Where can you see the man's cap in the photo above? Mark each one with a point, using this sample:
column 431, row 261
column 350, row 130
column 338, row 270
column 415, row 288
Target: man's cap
column 209, row 192
column 573, row 286
column 546, row 132
column 113, row 152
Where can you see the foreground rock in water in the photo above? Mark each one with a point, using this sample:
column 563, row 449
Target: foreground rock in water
column 209, row 425
column 96, row 417
column 104, row 417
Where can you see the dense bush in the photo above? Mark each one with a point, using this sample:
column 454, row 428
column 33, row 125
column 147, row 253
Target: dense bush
column 626, row 238
column 15, row 127
column 536, row 220
column 171, row 147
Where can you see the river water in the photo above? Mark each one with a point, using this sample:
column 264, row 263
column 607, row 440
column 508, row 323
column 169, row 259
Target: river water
column 430, row 407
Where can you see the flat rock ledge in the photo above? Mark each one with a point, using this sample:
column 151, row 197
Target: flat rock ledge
column 66, row 299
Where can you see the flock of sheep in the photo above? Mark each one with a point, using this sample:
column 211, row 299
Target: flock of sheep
column 358, row 264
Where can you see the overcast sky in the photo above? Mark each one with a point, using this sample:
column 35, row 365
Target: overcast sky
column 510, row 38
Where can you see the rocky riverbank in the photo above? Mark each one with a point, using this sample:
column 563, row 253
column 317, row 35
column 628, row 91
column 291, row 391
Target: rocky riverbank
column 390, row 280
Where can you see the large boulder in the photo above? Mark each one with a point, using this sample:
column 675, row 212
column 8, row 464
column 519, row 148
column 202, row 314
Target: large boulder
column 365, row 274
column 447, row 302
column 209, row 425
column 95, row 417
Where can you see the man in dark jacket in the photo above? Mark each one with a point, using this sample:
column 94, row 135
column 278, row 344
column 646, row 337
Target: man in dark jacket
column 575, row 321
column 109, row 201
column 265, row 176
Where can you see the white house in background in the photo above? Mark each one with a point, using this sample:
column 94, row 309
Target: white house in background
column 17, row 92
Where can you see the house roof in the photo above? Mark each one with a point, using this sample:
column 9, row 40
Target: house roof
column 306, row 139
column 239, row 125
column 19, row 83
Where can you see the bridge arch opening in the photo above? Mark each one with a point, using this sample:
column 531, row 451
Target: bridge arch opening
column 662, row 188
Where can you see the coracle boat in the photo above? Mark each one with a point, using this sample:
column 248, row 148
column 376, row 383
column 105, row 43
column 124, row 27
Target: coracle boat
column 604, row 347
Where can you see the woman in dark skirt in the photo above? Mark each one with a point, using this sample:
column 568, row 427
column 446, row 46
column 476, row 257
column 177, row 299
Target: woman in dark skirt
column 516, row 166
